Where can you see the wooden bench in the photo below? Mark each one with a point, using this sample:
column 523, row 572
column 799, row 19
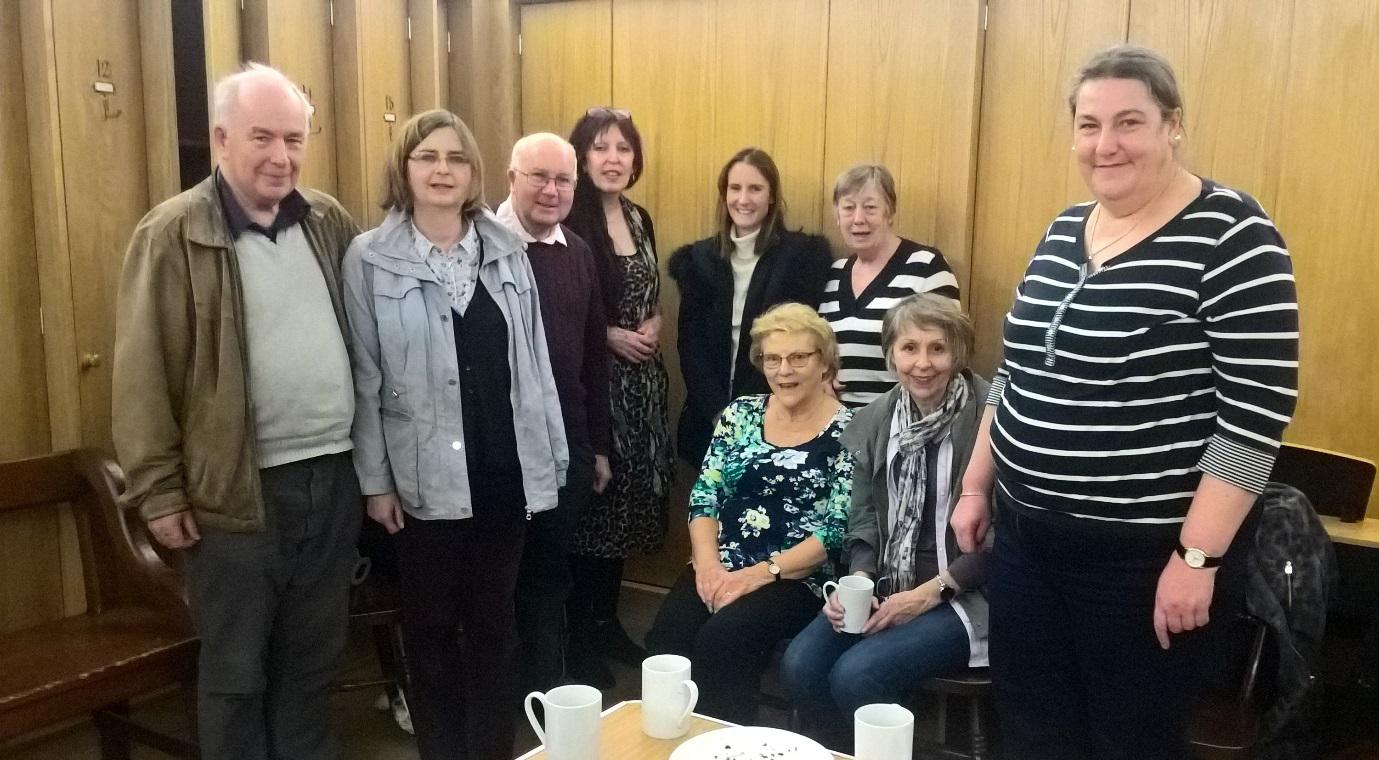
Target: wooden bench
column 135, row 636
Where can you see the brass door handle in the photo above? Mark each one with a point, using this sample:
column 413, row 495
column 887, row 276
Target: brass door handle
column 90, row 361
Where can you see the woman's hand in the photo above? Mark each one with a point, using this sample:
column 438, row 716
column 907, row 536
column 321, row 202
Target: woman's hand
column 707, row 579
column 738, row 584
column 630, row 346
column 901, row 608
column 386, row 510
column 971, row 520
column 651, row 330
column 1183, row 599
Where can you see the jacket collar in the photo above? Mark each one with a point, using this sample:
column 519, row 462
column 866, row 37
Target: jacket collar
column 394, row 238
column 207, row 224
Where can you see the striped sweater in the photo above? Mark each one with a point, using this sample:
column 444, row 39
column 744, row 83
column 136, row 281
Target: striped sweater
column 1120, row 388
column 856, row 321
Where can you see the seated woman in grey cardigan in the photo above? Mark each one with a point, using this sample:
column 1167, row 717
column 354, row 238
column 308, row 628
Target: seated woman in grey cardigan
column 911, row 446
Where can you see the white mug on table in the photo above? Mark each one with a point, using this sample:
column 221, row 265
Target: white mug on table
column 854, row 593
column 572, row 721
column 668, row 696
column 884, row 732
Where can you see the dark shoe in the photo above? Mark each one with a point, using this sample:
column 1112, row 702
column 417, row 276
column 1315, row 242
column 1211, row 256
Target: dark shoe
column 611, row 640
column 587, row 668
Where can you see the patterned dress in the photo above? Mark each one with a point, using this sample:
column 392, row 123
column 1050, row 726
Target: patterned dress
column 629, row 517
column 769, row 498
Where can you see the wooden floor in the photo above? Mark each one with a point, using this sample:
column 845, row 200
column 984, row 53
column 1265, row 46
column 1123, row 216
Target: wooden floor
column 1349, row 724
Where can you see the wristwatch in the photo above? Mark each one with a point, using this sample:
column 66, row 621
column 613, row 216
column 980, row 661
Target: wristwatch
column 1196, row 558
column 773, row 569
column 945, row 592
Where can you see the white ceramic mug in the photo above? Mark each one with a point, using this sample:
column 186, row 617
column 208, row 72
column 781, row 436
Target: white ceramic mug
column 854, row 593
column 668, row 696
column 884, row 732
column 572, row 721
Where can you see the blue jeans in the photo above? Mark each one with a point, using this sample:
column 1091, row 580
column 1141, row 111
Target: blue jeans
column 829, row 674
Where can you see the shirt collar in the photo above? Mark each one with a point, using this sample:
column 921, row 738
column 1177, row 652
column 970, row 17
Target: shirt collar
column 469, row 243
column 508, row 217
column 292, row 209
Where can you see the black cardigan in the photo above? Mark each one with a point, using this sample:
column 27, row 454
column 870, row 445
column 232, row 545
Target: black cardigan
column 795, row 268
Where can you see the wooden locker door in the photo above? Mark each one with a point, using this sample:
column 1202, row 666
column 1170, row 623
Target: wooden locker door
column 294, row 36
column 101, row 118
column 372, row 97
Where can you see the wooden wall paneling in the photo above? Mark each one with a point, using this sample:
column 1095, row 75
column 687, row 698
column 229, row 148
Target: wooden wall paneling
column 771, row 90
column 485, row 82
column 160, row 99
column 30, row 569
column 294, row 36
column 1317, row 181
column 373, row 98
column 1025, row 172
column 567, row 63
column 223, row 38
column 428, row 47
column 903, row 82
column 49, row 192
column 663, row 71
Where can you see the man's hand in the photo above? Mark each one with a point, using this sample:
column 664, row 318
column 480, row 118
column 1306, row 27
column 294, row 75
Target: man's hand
column 175, row 531
column 386, row 510
column 603, row 473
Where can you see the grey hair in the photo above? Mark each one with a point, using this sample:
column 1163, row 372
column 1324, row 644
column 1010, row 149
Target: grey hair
column 930, row 310
column 854, row 178
column 226, row 93
column 536, row 138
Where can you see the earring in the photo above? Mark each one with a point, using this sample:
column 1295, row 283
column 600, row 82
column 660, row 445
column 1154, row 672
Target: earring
column 1178, row 137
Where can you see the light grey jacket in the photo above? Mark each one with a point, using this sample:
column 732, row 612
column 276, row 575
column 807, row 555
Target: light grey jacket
column 408, row 429
column 868, row 438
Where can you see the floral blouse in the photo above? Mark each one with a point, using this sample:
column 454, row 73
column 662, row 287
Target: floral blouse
column 769, row 498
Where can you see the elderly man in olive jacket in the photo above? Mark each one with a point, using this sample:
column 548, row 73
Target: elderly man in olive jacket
column 232, row 413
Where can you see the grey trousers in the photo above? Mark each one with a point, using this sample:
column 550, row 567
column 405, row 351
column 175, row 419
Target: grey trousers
column 272, row 609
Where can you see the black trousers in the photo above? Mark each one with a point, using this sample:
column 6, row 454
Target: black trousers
column 272, row 611
column 728, row 649
column 1077, row 669
column 543, row 582
column 453, row 574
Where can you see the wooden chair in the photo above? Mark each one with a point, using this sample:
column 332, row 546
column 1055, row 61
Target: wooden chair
column 1336, row 484
column 135, row 636
column 974, row 686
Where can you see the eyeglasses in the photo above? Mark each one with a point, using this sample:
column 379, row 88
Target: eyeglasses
column 617, row 113
column 430, row 159
column 539, row 180
column 798, row 360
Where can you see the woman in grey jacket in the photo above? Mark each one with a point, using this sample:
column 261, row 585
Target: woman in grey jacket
column 911, row 446
column 457, row 431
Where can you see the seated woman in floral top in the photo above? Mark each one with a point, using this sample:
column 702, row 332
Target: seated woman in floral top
column 768, row 510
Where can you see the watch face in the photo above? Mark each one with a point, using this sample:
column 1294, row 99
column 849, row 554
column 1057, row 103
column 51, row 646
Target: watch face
column 1194, row 557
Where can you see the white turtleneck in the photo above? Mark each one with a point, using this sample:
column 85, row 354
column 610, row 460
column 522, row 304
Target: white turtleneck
column 744, row 261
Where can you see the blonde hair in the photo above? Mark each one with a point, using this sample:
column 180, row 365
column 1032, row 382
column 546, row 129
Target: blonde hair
column 927, row 310
column 397, row 192
column 796, row 318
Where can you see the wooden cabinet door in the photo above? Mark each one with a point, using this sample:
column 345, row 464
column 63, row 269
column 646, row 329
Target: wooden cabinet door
column 100, row 115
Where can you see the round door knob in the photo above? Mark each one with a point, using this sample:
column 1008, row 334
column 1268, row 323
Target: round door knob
column 90, row 361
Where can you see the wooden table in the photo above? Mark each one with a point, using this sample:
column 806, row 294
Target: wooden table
column 1362, row 533
column 621, row 736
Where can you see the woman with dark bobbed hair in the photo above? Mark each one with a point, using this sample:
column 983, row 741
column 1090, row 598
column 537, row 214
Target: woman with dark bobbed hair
column 726, row 281
column 629, row 517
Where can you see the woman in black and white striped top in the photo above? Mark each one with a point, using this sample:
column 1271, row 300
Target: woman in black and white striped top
column 882, row 269
column 1150, row 369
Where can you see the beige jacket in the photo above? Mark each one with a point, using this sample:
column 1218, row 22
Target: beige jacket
column 182, row 420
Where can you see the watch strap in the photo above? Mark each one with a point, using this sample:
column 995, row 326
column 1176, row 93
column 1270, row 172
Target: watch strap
column 1196, row 558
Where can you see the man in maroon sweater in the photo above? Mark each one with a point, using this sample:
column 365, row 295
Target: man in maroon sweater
column 541, row 179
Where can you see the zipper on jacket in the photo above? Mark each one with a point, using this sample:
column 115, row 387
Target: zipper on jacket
column 1051, row 333
column 1288, row 571
column 529, row 514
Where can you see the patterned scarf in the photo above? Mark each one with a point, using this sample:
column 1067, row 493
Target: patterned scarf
column 908, row 472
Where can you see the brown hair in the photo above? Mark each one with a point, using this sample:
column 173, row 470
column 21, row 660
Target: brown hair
column 774, row 224
column 853, row 179
column 397, row 192
column 1140, row 64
